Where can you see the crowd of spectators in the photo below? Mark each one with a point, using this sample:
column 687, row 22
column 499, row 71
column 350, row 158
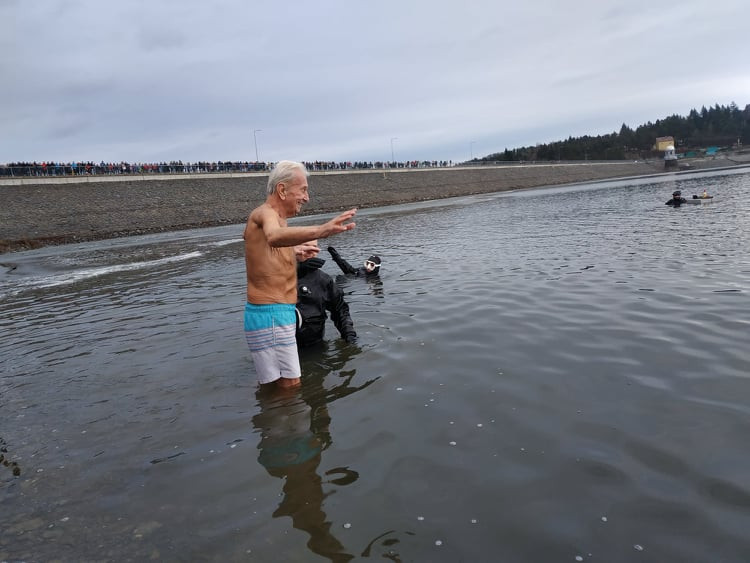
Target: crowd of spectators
column 112, row 168
column 179, row 167
column 323, row 165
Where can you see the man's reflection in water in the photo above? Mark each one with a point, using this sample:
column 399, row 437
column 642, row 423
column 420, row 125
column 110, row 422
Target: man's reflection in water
column 294, row 429
column 376, row 287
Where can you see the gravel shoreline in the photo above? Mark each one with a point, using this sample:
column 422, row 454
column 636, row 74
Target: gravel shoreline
column 48, row 211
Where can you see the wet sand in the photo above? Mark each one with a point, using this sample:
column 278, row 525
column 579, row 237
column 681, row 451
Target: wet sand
column 46, row 211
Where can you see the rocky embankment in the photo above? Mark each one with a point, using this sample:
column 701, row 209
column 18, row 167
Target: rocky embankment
column 44, row 211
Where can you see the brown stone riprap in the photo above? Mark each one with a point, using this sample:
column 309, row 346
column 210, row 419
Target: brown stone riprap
column 44, row 212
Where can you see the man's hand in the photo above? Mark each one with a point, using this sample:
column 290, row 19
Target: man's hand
column 306, row 250
column 339, row 224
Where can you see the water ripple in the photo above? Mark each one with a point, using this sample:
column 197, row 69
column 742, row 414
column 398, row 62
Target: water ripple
column 539, row 375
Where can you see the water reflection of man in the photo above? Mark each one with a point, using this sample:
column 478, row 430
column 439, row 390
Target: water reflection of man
column 294, row 430
column 290, row 450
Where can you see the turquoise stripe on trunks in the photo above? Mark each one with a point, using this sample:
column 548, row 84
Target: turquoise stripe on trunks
column 258, row 317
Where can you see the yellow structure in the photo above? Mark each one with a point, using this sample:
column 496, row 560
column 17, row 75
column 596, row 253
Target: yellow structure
column 663, row 142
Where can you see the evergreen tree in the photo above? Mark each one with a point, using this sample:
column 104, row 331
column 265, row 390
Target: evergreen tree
column 719, row 126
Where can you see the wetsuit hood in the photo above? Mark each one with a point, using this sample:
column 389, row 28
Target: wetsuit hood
column 375, row 259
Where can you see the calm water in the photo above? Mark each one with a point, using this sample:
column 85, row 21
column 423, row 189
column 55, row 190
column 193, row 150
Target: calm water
column 550, row 375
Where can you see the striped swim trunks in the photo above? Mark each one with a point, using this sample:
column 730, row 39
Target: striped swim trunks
column 269, row 331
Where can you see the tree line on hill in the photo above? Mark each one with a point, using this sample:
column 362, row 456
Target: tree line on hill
column 722, row 126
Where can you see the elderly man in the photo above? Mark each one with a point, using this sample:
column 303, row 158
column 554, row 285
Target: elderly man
column 270, row 263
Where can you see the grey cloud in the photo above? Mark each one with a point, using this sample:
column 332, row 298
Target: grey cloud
column 138, row 80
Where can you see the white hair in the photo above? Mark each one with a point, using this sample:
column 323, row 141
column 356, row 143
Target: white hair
column 284, row 171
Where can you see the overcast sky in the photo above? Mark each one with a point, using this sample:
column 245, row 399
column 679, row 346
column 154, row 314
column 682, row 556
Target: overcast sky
column 146, row 81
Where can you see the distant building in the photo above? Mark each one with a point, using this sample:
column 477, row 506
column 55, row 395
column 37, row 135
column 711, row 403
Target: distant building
column 663, row 142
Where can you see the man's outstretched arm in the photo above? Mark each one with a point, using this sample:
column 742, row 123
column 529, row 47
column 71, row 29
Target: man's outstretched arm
column 343, row 264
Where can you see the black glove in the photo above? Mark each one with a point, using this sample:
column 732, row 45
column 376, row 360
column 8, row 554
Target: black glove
column 343, row 264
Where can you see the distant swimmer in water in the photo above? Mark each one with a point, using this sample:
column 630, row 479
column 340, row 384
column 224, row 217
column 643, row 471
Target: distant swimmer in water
column 677, row 199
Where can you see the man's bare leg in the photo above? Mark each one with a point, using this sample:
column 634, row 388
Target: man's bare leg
column 286, row 383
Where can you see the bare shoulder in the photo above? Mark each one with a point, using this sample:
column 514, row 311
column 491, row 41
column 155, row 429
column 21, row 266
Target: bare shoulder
column 265, row 214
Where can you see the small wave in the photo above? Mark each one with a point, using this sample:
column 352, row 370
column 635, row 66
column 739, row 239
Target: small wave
column 87, row 273
column 223, row 242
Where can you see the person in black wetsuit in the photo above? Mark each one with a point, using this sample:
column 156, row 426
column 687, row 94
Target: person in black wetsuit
column 371, row 268
column 677, row 199
column 317, row 293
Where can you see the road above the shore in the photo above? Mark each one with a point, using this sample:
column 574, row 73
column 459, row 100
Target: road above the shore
column 37, row 212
